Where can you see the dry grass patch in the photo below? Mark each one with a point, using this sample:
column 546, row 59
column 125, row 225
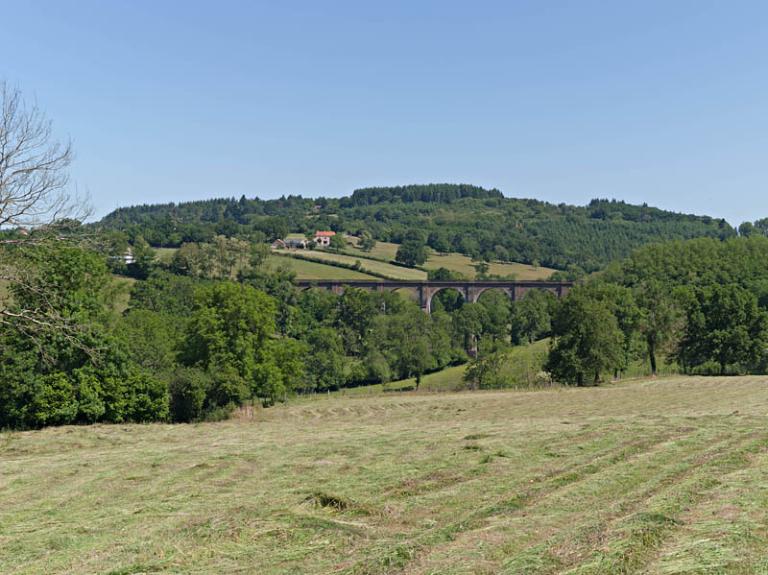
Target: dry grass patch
column 657, row 477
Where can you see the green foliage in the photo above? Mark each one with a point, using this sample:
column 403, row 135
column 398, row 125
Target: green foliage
column 150, row 339
column 165, row 293
column 188, row 388
column 281, row 370
column 726, row 327
column 228, row 388
column 325, row 362
column 587, row 340
column 69, row 280
column 222, row 258
column 337, row 243
column 367, row 242
column 412, row 253
column 53, row 402
column 146, row 398
column 471, row 220
column 485, row 372
column 228, row 328
column 660, row 318
column 531, row 317
column 143, row 259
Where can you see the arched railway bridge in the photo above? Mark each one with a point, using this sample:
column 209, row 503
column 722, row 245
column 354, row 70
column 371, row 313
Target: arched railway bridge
column 426, row 290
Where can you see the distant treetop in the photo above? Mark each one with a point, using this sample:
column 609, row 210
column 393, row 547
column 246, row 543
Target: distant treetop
column 431, row 193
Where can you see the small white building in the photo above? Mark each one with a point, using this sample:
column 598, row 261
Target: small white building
column 323, row 239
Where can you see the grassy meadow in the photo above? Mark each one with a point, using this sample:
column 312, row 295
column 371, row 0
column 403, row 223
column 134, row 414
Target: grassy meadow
column 307, row 270
column 455, row 262
column 519, row 370
column 375, row 266
column 377, row 262
column 656, row 477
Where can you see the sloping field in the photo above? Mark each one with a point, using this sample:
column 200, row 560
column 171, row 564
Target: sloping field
column 456, row 262
column 661, row 477
column 375, row 266
column 519, row 370
column 463, row 264
column 306, row 270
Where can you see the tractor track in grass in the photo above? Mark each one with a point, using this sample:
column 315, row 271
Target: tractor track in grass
column 655, row 477
column 539, row 488
column 557, row 485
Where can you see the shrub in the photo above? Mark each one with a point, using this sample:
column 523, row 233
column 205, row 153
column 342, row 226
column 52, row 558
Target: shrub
column 187, row 389
column 146, row 399
column 54, row 401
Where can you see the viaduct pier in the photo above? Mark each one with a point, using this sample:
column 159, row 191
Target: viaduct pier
column 426, row 290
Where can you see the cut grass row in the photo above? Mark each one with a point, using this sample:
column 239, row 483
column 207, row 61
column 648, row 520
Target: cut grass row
column 386, row 251
column 310, row 270
column 376, row 267
column 655, row 477
column 377, row 261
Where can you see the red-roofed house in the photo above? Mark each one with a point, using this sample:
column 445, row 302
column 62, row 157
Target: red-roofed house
column 323, row 238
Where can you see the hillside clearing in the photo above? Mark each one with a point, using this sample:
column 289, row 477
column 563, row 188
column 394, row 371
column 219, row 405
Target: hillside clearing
column 454, row 261
column 306, row 270
column 663, row 476
column 520, row 368
column 375, row 266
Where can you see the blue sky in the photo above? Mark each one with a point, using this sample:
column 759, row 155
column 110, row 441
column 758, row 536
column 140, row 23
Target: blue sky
column 664, row 102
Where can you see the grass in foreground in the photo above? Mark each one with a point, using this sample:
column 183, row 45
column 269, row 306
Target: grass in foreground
column 664, row 476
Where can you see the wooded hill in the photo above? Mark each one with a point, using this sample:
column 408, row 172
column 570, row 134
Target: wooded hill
column 466, row 219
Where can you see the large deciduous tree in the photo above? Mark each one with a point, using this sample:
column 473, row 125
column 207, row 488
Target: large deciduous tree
column 586, row 340
column 725, row 327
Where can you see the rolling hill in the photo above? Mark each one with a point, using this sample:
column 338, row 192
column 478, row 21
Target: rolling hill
column 468, row 220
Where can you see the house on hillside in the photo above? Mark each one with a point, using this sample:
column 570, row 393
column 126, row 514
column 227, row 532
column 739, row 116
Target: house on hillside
column 323, row 239
column 291, row 242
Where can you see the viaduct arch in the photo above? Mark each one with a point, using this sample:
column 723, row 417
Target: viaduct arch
column 426, row 290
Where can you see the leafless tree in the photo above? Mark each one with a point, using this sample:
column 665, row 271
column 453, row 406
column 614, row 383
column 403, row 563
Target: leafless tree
column 33, row 195
column 33, row 167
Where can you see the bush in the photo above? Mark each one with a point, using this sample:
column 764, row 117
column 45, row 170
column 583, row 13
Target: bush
column 54, row 401
column 146, row 399
column 90, row 404
column 227, row 388
column 187, row 389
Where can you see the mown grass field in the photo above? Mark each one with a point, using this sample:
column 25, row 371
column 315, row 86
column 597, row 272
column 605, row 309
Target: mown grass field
column 306, row 270
column 375, row 266
column 377, row 259
column 456, row 262
column 656, row 477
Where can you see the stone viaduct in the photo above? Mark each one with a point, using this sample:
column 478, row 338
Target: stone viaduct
column 426, row 290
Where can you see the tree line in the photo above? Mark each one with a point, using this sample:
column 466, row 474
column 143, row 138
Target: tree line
column 202, row 334
column 194, row 343
column 480, row 223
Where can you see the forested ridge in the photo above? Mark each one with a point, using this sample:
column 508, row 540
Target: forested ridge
column 470, row 220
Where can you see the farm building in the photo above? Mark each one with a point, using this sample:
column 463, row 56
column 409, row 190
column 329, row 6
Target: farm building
column 323, row 238
column 291, row 242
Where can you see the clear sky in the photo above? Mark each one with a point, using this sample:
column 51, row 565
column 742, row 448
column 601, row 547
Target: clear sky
column 664, row 102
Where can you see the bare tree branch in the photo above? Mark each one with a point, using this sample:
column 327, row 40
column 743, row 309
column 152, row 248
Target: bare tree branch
column 33, row 167
column 36, row 207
